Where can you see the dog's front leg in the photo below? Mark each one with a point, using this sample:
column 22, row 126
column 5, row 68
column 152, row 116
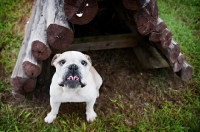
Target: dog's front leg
column 91, row 115
column 54, row 111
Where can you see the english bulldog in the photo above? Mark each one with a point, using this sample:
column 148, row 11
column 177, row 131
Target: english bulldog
column 75, row 80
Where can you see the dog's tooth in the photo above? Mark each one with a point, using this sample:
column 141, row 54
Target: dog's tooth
column 76, row 78
column 70, row 78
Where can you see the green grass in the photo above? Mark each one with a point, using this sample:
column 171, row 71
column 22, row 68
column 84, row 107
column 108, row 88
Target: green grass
column 171, row 117
column 182, row 18
column 12, row 17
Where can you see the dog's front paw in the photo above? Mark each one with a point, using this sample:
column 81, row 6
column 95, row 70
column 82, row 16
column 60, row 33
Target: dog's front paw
column 49, row 118
column 91, row 116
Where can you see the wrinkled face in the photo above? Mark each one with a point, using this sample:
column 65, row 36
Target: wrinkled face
column 72, row 68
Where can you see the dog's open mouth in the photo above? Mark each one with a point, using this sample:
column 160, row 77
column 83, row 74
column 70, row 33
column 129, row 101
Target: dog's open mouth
column 72, row 82
column 73, row 78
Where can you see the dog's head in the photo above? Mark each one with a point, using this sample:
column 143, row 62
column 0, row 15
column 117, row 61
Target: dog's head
column 72, row 68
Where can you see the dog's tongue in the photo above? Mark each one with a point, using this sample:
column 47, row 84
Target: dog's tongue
column 73, row 78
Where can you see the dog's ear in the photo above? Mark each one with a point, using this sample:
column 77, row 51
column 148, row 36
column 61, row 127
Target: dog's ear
column 88, row 57
column 54, row 58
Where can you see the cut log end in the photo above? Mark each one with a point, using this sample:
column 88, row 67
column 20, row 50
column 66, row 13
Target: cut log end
column 146, row 18
column 40, row 51
column 146, row 28
column 160, row 25
column 157, row 35
column 59, row 37
column 84, row 17
column 82, row 13
column 132, row 4
column 23, row 85
column 179, row 63
column 31, row 70
column 174, row 53
column 166, row 38
column 186, row 72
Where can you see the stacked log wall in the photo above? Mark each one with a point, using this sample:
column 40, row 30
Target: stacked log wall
column 21, row 84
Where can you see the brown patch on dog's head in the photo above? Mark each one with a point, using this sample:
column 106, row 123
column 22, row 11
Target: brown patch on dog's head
column 54, row 58
column 89, row 59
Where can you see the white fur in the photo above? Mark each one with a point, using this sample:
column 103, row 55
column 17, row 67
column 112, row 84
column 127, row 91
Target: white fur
column 87, row 94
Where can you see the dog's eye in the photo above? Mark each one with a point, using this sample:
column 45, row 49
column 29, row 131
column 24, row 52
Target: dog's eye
column 62, row 62
column 84, row 63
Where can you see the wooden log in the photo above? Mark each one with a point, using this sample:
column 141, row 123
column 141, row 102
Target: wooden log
column 102, row 42
column 135, row 4
column 161, row 34
column 157, row 31
column 19, row 81
column 40, row 49
column 172, row 52
column 166, row 38
column 59, row 32
column 146, row 18
column 32, row 67
column 186, row 72
column 179, row 63
column 21, row 86
column 80, row 11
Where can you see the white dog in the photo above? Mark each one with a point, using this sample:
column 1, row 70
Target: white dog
column 75, row 80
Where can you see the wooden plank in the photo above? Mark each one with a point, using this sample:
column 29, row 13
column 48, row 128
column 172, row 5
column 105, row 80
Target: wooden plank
column 150, row 58
column 101, row 42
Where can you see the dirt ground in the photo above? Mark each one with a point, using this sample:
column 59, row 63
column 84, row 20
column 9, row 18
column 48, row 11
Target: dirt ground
column 127, row 87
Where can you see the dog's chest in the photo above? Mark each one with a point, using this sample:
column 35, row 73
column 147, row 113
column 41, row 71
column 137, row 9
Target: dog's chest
column 72, row 96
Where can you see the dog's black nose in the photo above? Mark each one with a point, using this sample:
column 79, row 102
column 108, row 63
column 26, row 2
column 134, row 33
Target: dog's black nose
column 73, row 67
